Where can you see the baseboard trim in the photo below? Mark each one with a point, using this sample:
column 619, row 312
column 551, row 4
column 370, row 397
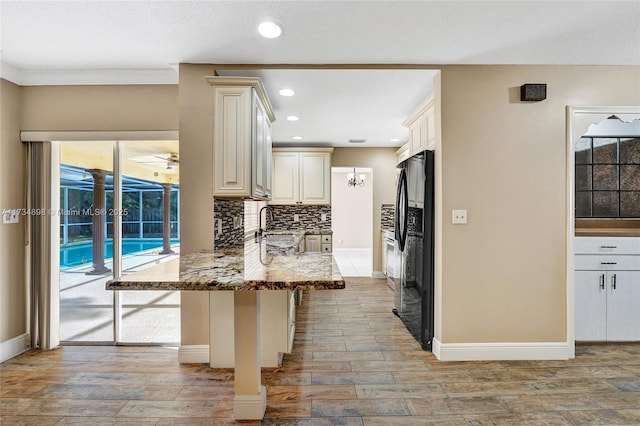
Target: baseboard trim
column 378, row 274
column 250, row 407
column 500, row 351
column 193, row 354
column 15, row 346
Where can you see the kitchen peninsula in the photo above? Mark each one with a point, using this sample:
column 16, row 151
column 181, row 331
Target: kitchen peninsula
column 243, row 270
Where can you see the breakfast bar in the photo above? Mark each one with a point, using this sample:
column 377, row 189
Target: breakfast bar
column 244, row 270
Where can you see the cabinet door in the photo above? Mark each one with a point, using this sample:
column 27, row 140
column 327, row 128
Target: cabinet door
column 274, row 325
column 417, row 135
column 313, row 243
column 291, row 319
column 285, row 178
column 315, row 178
column 431, row 127
column 259, row 149
column 591, row 305
column 232, row 141
column 623, row 305
column 268, row 159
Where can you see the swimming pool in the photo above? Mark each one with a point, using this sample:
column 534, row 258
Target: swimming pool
column 80, row 254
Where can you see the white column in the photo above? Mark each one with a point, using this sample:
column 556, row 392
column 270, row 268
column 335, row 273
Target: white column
column 250, row 401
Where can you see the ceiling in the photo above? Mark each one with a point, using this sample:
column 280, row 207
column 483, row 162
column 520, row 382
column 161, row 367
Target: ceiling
column 142, row 42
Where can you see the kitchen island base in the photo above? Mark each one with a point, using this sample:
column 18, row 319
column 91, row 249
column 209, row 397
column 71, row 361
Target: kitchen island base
column 250, row 401
column 244, row 271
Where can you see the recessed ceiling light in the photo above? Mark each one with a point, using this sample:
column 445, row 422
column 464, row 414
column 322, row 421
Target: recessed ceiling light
column 297, row 138
column 357, row 140
column 394, row 140
column 270, row 30
column 286, row 92
column 293, row 118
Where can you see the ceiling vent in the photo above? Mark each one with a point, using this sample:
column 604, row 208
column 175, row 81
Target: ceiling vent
column 357, row 140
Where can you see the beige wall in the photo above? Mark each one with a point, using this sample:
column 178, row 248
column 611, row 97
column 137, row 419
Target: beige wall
column 196, row 189
column 503, row 274
column 383, row 163
column 13, row 302
column 151, row 107
column 62, row 108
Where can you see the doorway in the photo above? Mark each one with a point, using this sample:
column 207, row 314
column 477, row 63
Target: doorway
column 352, row 220
column 580, row 119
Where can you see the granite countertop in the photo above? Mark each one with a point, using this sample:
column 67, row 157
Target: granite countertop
column 248, row 268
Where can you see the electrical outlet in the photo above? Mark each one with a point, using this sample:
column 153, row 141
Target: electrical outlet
column 218, row 227
column 237, row 222
column 323, row 217
column 459, row 217
column 296, row 218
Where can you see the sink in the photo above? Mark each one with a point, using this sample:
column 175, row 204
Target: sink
column 282, row 243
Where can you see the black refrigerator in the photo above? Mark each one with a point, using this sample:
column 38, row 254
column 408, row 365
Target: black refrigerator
column 414, row 235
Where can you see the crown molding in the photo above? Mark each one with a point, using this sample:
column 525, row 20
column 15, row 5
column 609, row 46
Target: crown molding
column 24, row 77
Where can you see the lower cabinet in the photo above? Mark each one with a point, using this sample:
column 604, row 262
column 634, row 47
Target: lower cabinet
column 277, row 327
column 312, row 243
column 607, row 290
column 607, row 305
column 318, row 243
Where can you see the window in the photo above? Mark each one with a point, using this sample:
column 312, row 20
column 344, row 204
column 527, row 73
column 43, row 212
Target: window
column 607, row 177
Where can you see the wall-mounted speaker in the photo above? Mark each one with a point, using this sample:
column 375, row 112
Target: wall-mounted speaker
column 533, row 92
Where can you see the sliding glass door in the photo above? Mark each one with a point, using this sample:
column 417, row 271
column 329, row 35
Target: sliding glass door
column 119, row 215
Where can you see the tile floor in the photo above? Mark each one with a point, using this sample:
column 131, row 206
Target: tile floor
column 353, row 262
column 353, row 363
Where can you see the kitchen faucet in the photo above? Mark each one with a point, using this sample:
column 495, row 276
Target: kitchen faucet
column 260, row 230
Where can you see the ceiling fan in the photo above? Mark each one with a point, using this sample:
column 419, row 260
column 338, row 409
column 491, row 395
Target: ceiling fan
column 168, row 161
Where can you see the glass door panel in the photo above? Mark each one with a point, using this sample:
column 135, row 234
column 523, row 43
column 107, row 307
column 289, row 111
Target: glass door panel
column 86, row 308
column 150, row 236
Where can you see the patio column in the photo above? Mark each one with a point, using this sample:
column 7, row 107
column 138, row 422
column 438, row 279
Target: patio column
column 98, row 221
column 166, row 219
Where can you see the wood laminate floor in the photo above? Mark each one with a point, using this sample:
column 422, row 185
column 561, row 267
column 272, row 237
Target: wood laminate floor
column 353, row 364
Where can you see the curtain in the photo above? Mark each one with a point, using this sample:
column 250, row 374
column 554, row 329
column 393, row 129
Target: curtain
column 42, row 261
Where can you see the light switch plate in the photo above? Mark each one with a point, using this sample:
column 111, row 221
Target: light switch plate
column 296, row 218
column 459, row 217
column 323, row 217
column 10, row 216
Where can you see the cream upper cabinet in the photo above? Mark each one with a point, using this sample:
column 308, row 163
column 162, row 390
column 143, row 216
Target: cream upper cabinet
column 301, row 176
column 242, row 117
column 422, row 127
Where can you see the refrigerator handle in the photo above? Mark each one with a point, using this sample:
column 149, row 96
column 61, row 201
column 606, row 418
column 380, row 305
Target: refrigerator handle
column 402, row 201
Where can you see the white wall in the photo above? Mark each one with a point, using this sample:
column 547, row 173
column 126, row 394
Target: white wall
column 351, row 210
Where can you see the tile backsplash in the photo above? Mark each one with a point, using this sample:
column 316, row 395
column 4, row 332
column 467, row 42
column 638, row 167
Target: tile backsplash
column 310, row 217
column 228, row 223
column 234, row 219
column 387, row 212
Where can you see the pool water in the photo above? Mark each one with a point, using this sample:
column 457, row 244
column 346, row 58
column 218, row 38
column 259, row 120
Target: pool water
column 81, row 254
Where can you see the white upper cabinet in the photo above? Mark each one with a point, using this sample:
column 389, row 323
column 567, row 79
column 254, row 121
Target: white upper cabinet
column 422, row 127
column 423, row 130
column 301, row 176
column 242, row 117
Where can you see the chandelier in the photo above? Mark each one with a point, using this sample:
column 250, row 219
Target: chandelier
column 354, row 179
